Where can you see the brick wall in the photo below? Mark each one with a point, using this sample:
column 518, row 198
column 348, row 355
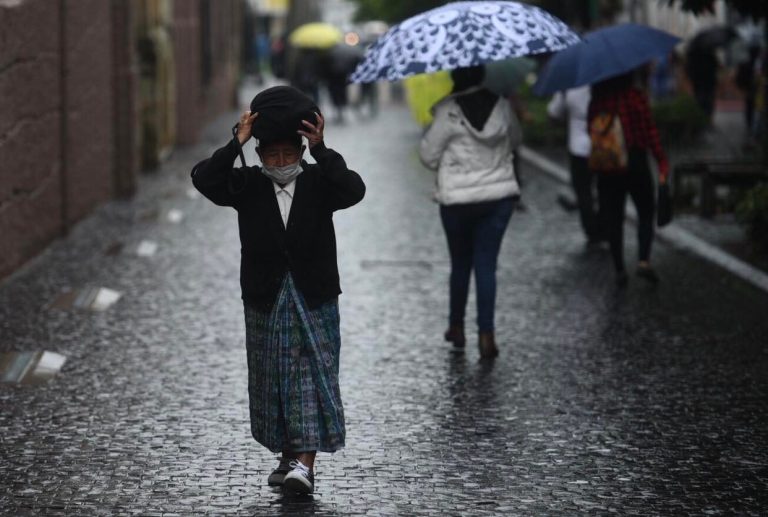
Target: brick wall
column 88, row 128
column 69, row 106
column 200, row 100
column 30, row 137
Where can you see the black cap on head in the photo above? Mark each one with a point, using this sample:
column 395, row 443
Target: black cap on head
column 281, row 110
column 294, row 139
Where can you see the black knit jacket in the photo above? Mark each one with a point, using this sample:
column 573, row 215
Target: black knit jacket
column 307, row 247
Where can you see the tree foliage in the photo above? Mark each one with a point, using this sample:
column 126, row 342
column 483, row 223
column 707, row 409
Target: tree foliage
column 393, row 11
column 757, row 9
column 579, row 12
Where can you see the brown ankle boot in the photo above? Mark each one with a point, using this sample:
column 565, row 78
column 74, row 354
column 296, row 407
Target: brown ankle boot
column 455, row 334
column 487, row 345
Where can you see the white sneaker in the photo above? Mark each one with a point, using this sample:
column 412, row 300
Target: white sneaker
column 278, row 475
column 299, row 479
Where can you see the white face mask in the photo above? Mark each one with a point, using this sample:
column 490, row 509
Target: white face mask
column 285, row 174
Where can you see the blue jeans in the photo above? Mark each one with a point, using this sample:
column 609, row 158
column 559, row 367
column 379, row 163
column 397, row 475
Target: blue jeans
column 474, row 233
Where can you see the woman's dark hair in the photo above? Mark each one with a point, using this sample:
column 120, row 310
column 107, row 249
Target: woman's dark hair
column 468, row 77
column 614, row 84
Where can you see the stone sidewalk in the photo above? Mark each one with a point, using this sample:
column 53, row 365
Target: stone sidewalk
column 636, row 402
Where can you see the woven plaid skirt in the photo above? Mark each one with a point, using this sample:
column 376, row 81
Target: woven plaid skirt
column 293, row 374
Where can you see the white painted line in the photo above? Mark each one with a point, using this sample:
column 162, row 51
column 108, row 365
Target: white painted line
column 672, row 234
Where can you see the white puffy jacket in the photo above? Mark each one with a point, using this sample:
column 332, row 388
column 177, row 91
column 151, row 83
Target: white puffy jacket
column 472, row 165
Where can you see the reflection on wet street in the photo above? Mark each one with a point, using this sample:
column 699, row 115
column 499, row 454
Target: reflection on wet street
column 90, row 298
column 30, row 367
column 647, row 401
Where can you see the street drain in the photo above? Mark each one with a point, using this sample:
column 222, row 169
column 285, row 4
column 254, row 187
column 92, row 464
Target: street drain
column 96, row 299
column 29, row 367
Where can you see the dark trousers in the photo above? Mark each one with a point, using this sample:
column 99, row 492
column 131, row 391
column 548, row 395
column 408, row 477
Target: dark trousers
column 612, row 191
column 474, row 233
column 582, row 180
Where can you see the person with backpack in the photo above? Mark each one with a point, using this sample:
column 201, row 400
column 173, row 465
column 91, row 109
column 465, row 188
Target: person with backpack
column 622, row 132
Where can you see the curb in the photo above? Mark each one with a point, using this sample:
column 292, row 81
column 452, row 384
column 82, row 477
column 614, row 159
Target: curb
column 671, row 234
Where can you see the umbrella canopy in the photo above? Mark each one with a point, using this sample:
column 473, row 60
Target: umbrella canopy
column 462, row 34
column 506, row 77
column 602, row 54
column 710, row 39
column 315, row 35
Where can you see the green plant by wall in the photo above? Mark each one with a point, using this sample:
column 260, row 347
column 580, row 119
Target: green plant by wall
column 680, row 120
column 753, row 212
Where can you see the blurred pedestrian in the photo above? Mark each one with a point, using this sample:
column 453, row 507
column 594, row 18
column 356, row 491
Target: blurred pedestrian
column 702, row 67
column 369, row 95
column 289, row 276
column 746, row 80
column 305, row 72
column 622, row 131
column 573, row 105
column 469, row 145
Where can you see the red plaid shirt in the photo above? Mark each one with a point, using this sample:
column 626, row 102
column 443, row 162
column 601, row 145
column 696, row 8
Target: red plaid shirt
column 635, row 114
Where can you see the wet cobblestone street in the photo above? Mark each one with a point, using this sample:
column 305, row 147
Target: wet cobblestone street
column 637, row 402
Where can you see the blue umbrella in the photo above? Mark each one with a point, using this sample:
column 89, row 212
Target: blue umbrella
column 462, row 34
column 602, row 54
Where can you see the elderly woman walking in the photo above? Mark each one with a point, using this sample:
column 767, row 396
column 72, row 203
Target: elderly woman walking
column 288, row 275
column 470, row 145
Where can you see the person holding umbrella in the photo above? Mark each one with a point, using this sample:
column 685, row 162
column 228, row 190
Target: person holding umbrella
column 468, row 144
column 620, row 126
column 288, row 276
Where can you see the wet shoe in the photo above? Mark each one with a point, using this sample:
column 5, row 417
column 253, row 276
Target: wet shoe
column 278, row 475
column 648, row 274
column 486, row 342
column 455, row 334
column 299, row 479
column 622, row 279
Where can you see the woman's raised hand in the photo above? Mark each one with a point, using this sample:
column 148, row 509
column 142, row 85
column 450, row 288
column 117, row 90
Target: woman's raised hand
column 244, row 126
column 313, row 133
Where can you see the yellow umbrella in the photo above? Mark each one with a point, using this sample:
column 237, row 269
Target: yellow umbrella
column 423, row 91
column 316, row 35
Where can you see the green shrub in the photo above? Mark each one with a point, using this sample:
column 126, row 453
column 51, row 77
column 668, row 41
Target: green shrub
column 753, row 212
column 680, row 120
column 539, row 130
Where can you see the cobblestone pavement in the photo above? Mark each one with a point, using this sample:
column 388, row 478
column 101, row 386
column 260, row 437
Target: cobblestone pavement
column 647, row 401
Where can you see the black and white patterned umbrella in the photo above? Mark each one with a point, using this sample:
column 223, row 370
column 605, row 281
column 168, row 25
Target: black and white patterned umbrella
column 462, row 34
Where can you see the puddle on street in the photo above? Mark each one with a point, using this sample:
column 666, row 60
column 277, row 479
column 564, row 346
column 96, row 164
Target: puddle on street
column 149, row 215
column 29, row 367
column 97, row 299
column 372, row 264
column 114, row 249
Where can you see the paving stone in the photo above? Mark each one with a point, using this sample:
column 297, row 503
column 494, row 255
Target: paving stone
column 647, row 401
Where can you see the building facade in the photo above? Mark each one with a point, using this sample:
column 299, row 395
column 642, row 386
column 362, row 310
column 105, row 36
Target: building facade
column 91, row 93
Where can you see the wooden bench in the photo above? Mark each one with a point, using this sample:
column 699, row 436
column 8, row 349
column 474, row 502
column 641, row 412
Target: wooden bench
column 718, row 172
